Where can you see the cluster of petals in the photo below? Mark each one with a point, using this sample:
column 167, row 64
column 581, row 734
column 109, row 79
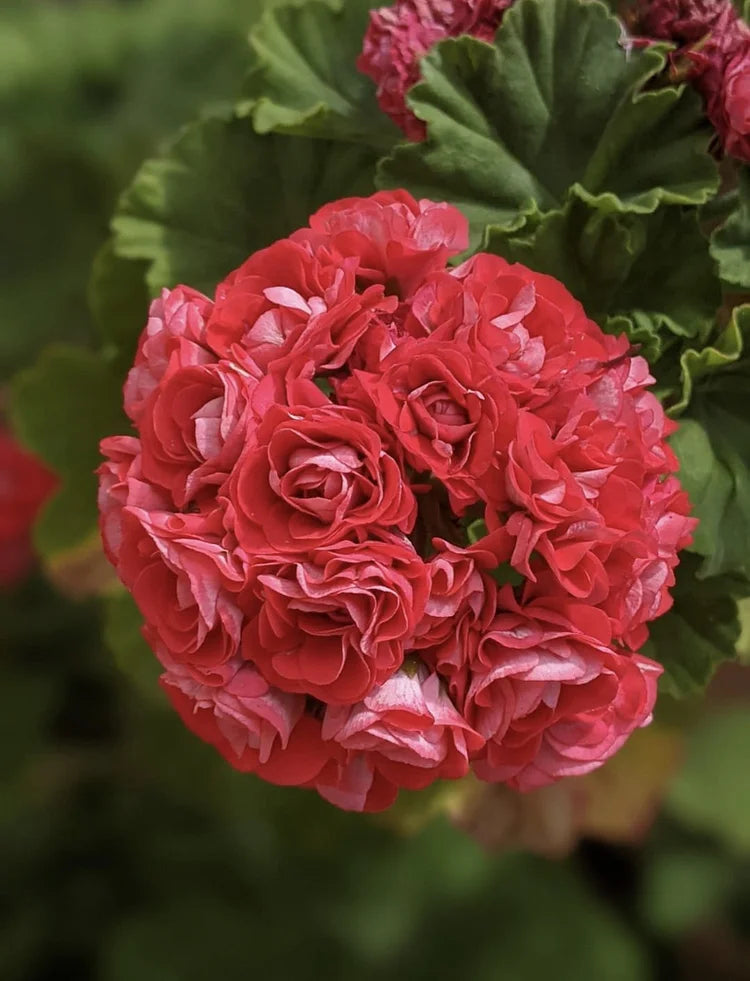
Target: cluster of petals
column 713, row 51
column 388, row 520
column 25, row 484
column 398, row 36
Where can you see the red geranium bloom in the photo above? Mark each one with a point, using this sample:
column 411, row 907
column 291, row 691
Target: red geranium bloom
column 389, row 521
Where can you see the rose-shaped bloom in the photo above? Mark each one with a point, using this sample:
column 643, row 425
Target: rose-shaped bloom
column 714, row 53
column 731, row 112
column 25, row 484
column 565, row 556
column 406, row 731
column 537, row 477
column 313, row 476
column 551, row 697
column 526, row 324
column 183, row 580
column 394, row 239
column 462, row 602
column 336, row 624
column 289, row 309
column 194, row 426
column 447, row 409
column 398, row 36
column 685, row 21
column 255, row 727
column 121, row 483
column 176, row 322
column 640, row 568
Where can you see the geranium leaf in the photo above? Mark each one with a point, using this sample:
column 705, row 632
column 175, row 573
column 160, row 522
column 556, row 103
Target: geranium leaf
column 222, row 191
column 555, row 102
column 724, row 352
column 648, row 275
column 305, row 78
column 699, row 632
column 61, row 407
column 730, row 244
column 713, row 446
column 118, row 299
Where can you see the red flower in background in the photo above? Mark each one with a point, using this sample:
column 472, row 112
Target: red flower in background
column 25, row 484
column 714, row 53
column 398, row 36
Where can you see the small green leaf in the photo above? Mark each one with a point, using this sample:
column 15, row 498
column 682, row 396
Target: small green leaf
column 555, row 102
column 476, row 531
column 730, row 244
column 222, row 192
column 305, row 78
column 699, row 632
column 506, row 575
column 61, row 407
column 713, row 446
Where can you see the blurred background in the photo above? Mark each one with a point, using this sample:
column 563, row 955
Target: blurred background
column 129, row 851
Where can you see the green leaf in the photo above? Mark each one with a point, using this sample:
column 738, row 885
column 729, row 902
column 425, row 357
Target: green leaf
column 710, row 793
column 133, row 656
column 555, row 102
column 306, row 80
column 713, row 446
column 118, row 299
column 61, row 407
column 645, row 274
column 699, row 632
column 505, row 574
column 222, row 191
column 476, row 531
column 725, row 351
column 730, row 244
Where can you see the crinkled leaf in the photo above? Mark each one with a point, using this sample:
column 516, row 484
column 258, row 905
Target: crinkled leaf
column 699, row 632
column 730, row 244
column 222, row 192
column 305, row 78
column 555, row 102
column 645, row 274
column 61, row 407
column 713, row 446
column 725, row 351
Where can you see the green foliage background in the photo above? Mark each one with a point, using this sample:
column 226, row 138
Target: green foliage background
column 129, row 851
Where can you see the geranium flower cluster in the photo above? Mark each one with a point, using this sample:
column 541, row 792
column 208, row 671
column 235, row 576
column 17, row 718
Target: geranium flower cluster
column 713, row 52
column 398, row 36
column 388, row 520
